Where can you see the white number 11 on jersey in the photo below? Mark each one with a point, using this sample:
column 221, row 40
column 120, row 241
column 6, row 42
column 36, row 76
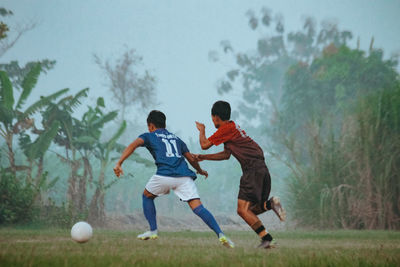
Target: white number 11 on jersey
column 169, row 148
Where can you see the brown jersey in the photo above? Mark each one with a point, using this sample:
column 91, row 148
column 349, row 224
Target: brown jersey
column 242, row 147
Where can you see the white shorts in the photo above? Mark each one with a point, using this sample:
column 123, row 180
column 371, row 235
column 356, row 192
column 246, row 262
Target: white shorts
column 184, row 187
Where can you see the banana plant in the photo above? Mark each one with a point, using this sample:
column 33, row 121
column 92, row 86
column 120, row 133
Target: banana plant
column 88, row 139
column 61, row 112
column 34, row 152
column 102, row 151
column 92, row 148
column 80, row 139
column 84, row 148
column 15, row 119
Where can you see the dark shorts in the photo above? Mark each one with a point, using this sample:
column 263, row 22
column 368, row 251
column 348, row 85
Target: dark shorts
column 255, row 184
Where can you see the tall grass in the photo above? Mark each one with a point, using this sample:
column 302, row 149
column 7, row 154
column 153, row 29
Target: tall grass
column 352, row 177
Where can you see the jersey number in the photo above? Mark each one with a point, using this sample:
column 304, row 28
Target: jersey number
column 168, row 146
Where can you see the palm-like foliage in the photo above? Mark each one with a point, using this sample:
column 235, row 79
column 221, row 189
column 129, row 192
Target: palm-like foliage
column 14, row 119
column 36, row 149
column 28, row 84
column 81, row 139
column 7, row 99
column 9, row 112
column 102, row 152
column 61, row 113
column 87, row 139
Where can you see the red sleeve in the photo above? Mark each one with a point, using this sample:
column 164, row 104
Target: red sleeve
column 222, row 135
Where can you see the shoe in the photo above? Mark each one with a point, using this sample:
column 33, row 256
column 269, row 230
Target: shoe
column 277, row 208
column 267, row 244
column 225, row 241
column 148, row 235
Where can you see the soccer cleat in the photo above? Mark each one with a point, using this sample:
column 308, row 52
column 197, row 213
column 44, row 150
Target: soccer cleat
column 267, row 244
column 277, row 208
column 148, row 235
column 225, row 241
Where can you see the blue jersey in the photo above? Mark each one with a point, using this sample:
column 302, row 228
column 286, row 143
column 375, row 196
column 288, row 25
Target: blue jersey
column 167, row 150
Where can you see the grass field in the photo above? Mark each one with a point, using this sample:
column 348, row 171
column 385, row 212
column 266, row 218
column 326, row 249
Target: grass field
column 19, row 247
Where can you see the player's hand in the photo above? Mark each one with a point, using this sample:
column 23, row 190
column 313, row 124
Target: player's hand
column 200, row 126
column 118, row 170
column 197, row 157
column 203, row 172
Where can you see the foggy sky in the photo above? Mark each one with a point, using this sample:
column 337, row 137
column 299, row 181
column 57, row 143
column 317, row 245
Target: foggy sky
column 174, row 38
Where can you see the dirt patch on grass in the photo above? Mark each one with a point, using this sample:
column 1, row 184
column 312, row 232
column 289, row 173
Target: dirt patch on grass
column 189, row 221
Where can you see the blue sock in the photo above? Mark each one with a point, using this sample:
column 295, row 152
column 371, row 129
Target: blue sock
column 149, row 211
column 208, row 218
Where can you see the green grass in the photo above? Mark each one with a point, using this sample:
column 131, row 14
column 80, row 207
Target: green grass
column 19, row 247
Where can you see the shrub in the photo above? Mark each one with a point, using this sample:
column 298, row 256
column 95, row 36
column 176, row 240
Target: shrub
column 16, row 199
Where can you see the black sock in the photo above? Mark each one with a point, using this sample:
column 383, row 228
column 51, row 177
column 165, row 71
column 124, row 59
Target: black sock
column 268, row 205
column 267, row 237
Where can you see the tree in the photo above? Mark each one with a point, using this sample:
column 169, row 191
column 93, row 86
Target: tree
column 331, row 112
column 86, row 139
column 22, row 190
column 16, row 73
column 342, row 110
column 81, row 139
column 260, row 73
column 95, row 151
column 13, row 119
column 102, row 151
column 4, row 27
column 7, row 41
column 127, row 85
column 332, row 83
column 62, row 112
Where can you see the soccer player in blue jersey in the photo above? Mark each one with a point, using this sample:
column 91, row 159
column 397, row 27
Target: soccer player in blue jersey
column 169, row 153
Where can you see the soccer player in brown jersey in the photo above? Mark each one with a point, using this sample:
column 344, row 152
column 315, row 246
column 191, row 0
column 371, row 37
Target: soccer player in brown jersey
column 255, row 183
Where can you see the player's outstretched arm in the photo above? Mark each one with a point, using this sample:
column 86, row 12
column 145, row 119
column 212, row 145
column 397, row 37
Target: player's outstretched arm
column 195, row 164
column 127, row 152
column 223, row 155
column 204, row 142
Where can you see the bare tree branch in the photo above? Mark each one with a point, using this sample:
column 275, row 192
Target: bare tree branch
column 128, row 85
column 8, row 42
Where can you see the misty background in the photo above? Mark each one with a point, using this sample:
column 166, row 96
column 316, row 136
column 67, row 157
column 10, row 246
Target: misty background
column 186, row 55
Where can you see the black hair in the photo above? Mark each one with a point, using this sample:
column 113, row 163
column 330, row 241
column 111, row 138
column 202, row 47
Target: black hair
column 222, row 109
column 157, row 118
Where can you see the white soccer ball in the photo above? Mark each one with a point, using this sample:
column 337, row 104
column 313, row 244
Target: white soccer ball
column 81, row 232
